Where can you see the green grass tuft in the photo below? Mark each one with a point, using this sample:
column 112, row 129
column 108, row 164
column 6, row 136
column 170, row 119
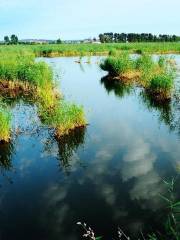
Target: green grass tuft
column 160, row 86
column 117, row 65
column 5, row 124
column 63, row 117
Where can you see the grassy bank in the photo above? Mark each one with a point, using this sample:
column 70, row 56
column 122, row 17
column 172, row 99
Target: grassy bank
column 21, row 75
column 155, row 76
column 53, row 50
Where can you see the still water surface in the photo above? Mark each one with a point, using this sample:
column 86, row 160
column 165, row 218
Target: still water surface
column 109, row 174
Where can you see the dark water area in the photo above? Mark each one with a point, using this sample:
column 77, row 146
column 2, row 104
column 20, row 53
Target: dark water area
column 109, row 174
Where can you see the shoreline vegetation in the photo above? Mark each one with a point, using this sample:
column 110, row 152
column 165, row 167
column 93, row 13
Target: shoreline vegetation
column 156, row 77
column 21, row 75
column 85, row 49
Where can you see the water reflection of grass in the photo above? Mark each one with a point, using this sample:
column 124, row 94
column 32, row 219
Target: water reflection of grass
column 68, row 145
column 168, row 111
column 120, row 89
column 6, row 151
column 163, row 109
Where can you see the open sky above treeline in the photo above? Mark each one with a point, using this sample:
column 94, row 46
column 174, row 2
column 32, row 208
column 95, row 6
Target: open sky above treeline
column 79, row 19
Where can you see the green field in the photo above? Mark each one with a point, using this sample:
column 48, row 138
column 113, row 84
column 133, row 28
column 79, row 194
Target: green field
column 93, row 49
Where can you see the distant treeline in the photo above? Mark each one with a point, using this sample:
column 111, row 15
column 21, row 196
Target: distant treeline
column 136, row 37
column 13, row 40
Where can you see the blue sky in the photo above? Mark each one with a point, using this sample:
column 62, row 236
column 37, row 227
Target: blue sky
column 78, row 19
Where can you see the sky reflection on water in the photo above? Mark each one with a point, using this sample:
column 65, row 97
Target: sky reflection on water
column 107, row 174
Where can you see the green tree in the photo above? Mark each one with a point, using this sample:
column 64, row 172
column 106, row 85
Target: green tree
column 14, row 39
column 137, row 37
column 58, row 41
column 6, row 39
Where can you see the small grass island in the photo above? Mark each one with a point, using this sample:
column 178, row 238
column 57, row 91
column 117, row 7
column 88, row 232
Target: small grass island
column 155, row 76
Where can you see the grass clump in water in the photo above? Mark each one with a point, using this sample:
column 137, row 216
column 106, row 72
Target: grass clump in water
column 5, row 124
column 160, row 86
column 155, row 76
column 161, row 81
column 63, row 116
column 117, row 65
column 146, row 66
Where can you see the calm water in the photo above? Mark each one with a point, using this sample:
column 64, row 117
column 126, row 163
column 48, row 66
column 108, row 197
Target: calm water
column 107, row 175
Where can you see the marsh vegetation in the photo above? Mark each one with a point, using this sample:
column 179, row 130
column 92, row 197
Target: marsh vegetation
column 155, row 76
column 114, row 166
column 21, row 74
column 85, row 49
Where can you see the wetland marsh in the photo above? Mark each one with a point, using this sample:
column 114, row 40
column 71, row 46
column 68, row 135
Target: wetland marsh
column 108, row 174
